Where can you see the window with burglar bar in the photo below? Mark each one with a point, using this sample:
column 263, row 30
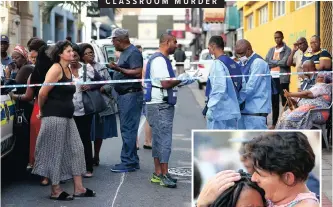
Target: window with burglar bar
column 279, row 8
column 250, row 22
column 300, row 4
column 263, row 15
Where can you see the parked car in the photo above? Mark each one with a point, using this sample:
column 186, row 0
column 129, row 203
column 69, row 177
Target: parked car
column 14, row 145
column 7, row 120
column 106, row 48
column 205, row 63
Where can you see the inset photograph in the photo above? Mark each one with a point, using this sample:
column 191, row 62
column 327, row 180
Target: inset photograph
column 256, row 168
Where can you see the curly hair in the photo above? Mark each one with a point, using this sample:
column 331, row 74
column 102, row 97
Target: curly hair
column 281, row 152
column 57, row 49
column 76, row 48
column 230, row 196
column 197, row 181
column 35, row 43
column 83, row 47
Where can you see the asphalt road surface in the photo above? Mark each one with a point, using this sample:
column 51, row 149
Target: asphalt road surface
column 125, row 189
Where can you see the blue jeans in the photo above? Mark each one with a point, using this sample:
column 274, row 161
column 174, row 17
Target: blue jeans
column 130, row 107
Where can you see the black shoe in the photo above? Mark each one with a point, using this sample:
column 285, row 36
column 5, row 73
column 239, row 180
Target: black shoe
column 147, row 147
column 96, row 162
column 171, row 178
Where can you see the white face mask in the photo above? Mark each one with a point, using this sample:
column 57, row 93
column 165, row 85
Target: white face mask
column 243, row 59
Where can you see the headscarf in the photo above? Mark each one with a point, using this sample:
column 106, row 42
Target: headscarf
column 21, row 50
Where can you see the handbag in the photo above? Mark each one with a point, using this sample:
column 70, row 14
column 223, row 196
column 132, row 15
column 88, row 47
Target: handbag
column 93, row 101
column 19, row 118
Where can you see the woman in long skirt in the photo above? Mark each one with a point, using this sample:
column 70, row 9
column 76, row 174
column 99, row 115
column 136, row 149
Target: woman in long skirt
column 59, row 151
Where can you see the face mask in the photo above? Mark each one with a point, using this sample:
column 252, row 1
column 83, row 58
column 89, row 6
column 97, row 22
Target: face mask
column 243, row 59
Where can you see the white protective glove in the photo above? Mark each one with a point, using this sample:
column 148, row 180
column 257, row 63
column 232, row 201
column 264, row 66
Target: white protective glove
column 187, row 79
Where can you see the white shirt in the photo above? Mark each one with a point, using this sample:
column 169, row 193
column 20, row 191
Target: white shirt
column 77, row 97
column 158, row 69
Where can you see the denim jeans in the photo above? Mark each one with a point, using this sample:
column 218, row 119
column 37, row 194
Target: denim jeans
column 130, row 107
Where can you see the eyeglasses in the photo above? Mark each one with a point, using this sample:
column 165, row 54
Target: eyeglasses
column 89, row 53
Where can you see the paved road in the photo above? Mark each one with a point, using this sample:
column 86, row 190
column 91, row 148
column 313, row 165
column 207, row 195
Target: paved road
column 126, row 189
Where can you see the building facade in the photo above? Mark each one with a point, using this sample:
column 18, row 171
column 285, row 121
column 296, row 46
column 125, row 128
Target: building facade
column 294, row 18
column 146, row 25
column 62, row 24
column 16, row 22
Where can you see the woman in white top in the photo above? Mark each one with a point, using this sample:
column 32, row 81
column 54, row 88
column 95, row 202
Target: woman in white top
column 83, row 121
column 104, row 124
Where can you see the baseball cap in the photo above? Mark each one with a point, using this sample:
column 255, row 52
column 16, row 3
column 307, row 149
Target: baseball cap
column 119, row 32
column 4, row 38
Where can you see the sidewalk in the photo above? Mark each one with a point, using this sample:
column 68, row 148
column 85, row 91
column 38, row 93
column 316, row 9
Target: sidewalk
column 326, row 178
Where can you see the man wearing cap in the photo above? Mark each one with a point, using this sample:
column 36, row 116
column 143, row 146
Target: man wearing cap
column 130, row 98
column 5, row 59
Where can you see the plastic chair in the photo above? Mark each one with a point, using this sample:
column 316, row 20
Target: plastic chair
column 324, row 126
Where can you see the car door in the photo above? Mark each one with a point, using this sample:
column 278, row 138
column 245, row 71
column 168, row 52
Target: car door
column 7, row 120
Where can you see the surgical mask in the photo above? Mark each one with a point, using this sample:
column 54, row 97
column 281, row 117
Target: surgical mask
column 243, row 59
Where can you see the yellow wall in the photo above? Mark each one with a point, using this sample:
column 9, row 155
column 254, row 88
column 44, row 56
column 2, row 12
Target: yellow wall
column 294, row 24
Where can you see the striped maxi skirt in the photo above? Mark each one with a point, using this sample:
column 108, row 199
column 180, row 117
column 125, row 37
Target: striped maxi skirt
column 59, row 150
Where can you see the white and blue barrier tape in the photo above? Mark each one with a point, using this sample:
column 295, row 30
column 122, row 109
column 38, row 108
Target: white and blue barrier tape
column 145, row 80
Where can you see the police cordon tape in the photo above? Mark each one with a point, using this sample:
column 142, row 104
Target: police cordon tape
column 149, row 80
column 198, row 63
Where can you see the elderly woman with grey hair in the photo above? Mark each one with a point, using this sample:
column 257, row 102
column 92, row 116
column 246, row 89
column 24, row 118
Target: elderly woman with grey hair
column 318, row 96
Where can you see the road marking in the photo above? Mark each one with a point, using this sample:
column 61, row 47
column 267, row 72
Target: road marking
column 121, row 182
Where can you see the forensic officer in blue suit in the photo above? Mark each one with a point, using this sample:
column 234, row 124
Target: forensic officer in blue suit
column 255, row 95
column 222, row 108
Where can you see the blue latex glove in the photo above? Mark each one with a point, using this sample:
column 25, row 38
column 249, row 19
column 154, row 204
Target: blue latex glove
column 209, row 115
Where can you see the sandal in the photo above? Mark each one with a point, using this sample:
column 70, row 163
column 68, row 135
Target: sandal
column 87, row 175
column 63, row 196
column 147, row 147
column 88, row 193
column 44, row 184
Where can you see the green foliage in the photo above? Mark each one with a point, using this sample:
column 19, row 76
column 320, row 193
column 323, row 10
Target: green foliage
column 74, row 6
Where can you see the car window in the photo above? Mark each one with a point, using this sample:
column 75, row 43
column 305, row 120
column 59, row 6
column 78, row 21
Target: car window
column 229, row 53
column 110, row 53
column 206, row 56
column 99, row 54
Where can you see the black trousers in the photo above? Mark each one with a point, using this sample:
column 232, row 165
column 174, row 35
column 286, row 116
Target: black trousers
column 83, row 124
column 276, row 99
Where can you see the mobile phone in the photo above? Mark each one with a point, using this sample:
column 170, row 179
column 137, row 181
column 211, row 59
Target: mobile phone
column 12, row 65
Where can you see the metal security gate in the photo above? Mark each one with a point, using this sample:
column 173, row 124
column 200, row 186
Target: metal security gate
column 326, row 25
